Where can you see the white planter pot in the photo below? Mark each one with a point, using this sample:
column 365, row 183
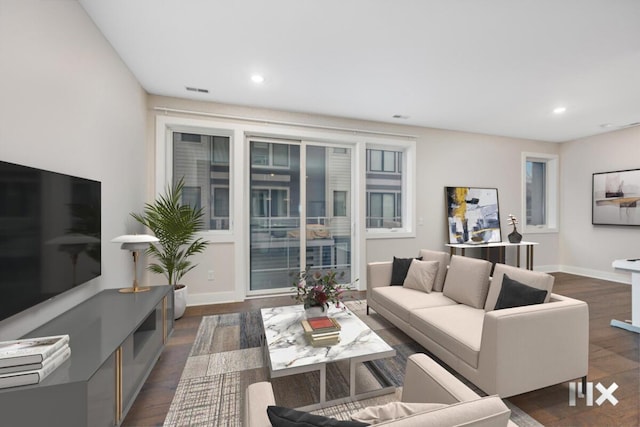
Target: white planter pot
column 179, row 302
column 314, row 311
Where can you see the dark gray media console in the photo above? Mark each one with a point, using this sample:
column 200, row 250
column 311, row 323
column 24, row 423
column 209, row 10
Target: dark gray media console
column 115, row 341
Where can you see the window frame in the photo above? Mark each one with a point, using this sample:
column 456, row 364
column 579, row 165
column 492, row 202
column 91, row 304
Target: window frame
column 551, row 184
column 165, row 128
column 340, row 203
column 271, row 157
column 404, row 167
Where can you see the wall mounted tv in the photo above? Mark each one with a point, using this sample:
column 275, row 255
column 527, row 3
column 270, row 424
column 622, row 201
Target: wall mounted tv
column 49, row 235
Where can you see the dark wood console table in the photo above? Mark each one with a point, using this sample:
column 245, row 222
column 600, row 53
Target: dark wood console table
column 453, row 248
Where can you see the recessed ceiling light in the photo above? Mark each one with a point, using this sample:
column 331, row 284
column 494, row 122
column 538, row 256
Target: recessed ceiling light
column 257, row 78
column 606, row 125
column 559, row 110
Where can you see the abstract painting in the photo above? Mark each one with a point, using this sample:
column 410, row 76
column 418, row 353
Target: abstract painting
column 472, row 215
column 615, row 198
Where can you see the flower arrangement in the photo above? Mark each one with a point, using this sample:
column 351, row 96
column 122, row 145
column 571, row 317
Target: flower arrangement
column 512, row 220
column 319, row 289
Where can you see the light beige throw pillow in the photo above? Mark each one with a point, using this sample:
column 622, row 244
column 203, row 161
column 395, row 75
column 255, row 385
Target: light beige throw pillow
column 421, row 275
column 392, row 411
column 467, row 281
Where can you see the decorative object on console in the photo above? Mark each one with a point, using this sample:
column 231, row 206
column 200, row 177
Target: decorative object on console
column 175, row 225
column 472, row 215
column 319, row 289
column 514, row 236
column 30, row 360
column 615, row 197
column 135, row 243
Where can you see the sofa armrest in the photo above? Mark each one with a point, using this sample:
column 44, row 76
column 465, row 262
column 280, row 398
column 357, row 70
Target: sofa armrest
column 257, row 398
column 427, row 382
column 530, row 347
column 378, row 274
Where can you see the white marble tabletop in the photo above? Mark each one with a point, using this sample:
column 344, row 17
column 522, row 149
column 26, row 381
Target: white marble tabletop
column 289, row 349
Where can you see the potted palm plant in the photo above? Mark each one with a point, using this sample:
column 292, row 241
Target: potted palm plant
column 175, row 225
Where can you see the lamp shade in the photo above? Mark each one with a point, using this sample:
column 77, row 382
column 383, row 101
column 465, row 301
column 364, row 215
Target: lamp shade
column 135, row 242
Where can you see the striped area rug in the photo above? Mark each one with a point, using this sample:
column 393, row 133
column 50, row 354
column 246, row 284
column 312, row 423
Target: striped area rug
column 226, row 357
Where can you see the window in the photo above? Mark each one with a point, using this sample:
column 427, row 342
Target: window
column 191, row 196
column 540, row 183
column 203, row 161
column 270, row 155
column 270, row 203
column 384, row 161
column 339, row 203
column 385, row 187
column 220, row 150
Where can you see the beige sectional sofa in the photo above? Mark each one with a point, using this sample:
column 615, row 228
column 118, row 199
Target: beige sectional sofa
column 425, row 382
column 505, row 352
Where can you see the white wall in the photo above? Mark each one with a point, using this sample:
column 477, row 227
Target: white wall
column 444, row 158
column 69, row 104
column 585, row 248
column 447, row 158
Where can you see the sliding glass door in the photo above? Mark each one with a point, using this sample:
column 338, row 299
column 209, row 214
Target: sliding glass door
column 300, row 212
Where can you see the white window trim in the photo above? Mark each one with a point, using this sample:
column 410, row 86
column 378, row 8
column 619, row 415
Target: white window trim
column 551, row 193
column 408, row 229
column 165, row 127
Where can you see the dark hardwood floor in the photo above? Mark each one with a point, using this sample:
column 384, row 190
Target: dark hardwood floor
column 613, row 357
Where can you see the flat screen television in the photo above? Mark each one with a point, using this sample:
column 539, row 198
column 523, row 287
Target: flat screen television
column 49, row 235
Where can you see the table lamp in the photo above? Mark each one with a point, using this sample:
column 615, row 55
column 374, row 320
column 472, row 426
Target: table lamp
column 135, row 243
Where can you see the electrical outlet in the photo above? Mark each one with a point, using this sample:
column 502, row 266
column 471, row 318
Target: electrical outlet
column 210, row 275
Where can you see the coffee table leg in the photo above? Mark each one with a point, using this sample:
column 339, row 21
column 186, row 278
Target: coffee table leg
column 352, row 377
column 323, row 383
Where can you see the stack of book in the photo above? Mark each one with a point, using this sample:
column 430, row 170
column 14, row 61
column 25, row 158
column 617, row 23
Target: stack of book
column 31, row 360
column 321, row 331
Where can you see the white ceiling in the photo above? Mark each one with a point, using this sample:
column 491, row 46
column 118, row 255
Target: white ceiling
column 489, row 66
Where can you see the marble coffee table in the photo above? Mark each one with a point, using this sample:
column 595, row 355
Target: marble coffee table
column 288, row 352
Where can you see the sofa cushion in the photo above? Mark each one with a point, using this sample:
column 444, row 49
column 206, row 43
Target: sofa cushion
column 483, row 412
column 467, row 281
column 285, row 417
column 421, row 275
column 443, row 258
column 536, row 279
column 457, row 328
column 392, row 411
column 399, row 270
column 516, row 294
column 401, row 301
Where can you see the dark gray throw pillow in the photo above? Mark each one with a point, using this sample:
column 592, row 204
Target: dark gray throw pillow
column 400, row 269
column 516, row 294
column 285, row 417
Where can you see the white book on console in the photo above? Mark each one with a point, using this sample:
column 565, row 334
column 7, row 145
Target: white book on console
column 21, row 368
column 30, row 350
column 34, row 377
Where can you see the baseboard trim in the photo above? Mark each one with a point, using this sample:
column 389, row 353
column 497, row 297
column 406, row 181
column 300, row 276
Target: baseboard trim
column 213, row 298
column 596, row 274
column 547, row 268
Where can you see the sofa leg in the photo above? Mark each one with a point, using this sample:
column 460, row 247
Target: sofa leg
column 367, row 310
column 584, row 385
